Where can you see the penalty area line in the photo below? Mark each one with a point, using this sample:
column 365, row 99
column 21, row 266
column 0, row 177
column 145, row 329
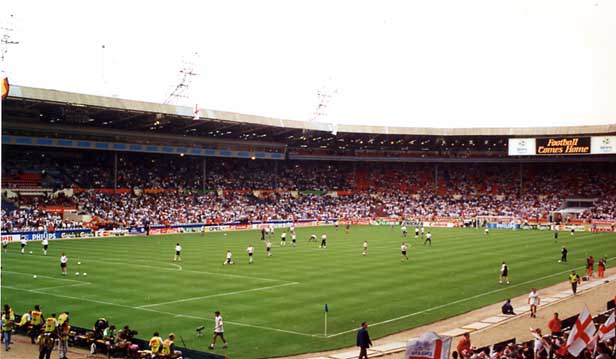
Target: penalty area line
column 219, row 295
column 65, row 286
column 190, row 271
column 176, row 315
column 63, row 278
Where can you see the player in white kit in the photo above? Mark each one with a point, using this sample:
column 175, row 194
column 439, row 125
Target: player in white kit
column 534, row 301
column 283, row 239
column 504, row 273
column 403, row 249
column 45, row 243
column 23, row 243
column 63, row 263
column 228, row 258
column 250, row 250
column 219, row 330
column 178, row 252
column 428, row 239
column 365, row 252
column 268, row 248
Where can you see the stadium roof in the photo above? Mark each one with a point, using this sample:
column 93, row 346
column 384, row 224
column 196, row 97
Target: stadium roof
column 46, row 96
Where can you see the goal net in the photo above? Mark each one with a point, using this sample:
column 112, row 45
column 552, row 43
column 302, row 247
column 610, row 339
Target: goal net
column 497, row 221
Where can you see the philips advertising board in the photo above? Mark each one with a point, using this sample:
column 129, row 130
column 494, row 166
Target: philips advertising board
column 521, row 146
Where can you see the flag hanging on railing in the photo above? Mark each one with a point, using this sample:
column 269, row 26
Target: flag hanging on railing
column 428, row 346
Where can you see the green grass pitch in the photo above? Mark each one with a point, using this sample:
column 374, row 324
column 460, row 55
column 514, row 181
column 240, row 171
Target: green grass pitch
column 275, row 306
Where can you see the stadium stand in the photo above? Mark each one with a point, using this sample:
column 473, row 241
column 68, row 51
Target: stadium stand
column 78, row 161
column 164, row 189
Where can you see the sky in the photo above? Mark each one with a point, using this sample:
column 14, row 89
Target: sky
column 440, row 63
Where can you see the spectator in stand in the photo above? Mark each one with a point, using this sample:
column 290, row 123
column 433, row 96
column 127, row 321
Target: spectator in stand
column 555, row 325
column 99, row 327
column 124, row 338
column 539, row 345
column 463, row 192
column 109, row 337
column 464, row 345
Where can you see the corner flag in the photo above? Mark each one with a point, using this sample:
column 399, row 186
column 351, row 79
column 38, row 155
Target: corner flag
column 325, row 329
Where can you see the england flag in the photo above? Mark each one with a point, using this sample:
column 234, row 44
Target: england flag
column 607, row 330
column 581, row 334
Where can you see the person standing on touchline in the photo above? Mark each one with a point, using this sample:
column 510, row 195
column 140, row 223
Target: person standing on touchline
column 363, row 341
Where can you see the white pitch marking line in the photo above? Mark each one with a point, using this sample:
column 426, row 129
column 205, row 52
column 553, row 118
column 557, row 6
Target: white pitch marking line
column 65, row 286
column 250, row 326
column 69, row 297
column 457, row 301
column 163, row 312
column 191, row 271
column 177, row 265
column 219, row 295
column 44, row 276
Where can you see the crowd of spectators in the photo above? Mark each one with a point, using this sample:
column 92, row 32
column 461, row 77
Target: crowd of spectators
column 542, row 346
column 299, row 190
column 34, row 219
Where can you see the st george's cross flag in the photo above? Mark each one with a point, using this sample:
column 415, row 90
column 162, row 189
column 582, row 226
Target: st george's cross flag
column 581, row 334
column 428, row 346
column 607, row 330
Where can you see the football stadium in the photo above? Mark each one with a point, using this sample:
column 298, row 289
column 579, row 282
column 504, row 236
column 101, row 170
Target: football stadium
column 131, row 228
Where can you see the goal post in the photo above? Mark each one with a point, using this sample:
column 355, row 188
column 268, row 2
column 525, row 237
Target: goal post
column 504, row 222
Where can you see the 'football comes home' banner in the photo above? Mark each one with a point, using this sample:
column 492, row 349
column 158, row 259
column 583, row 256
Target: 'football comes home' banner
column 563, row 145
